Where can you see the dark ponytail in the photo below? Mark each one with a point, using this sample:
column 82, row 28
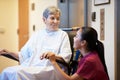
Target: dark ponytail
column 100, row 50
column 90, row 35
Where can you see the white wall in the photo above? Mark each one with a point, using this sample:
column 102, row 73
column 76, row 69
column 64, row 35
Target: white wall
column 8, row 29
column 109, row 34
column 36, row 15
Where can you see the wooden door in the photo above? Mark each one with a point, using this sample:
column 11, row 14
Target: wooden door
column 23, row 22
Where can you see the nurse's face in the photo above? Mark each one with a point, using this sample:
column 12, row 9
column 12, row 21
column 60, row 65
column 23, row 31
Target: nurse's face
column 52, row 22
column 77, row 40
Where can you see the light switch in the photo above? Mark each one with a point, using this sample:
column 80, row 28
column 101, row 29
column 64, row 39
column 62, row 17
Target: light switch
column 33, row 6
column 93, row 16
column 33, row 27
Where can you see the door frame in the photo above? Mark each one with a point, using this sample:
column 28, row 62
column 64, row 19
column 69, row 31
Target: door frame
column 23, row 31
column 117, row 39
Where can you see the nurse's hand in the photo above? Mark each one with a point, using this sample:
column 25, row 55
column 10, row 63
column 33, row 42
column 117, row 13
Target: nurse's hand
column 48, row 55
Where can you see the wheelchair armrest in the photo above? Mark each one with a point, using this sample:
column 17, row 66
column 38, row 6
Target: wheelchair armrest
column 73, row 66
column 62, row 61
column 74, row 63
column 9, row 56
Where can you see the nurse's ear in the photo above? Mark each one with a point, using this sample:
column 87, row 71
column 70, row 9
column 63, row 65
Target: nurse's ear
column 83, row 43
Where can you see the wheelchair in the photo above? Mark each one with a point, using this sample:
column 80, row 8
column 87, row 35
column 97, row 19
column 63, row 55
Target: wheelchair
column 72, row 65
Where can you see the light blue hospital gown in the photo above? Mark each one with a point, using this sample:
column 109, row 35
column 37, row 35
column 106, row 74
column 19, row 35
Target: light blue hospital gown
column 31, row 67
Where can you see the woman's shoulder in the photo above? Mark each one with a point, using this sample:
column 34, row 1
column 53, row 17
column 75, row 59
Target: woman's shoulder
column 92, row 56
column 62, row 31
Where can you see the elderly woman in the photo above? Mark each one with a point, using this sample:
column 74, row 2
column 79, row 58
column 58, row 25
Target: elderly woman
column 92, row 64
column 52, row 39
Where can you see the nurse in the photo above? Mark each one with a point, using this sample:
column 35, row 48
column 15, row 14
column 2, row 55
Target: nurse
column 92, row 64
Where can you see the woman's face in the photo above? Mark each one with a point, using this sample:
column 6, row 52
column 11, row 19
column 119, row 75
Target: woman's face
column 77, row 40
column 52, row 22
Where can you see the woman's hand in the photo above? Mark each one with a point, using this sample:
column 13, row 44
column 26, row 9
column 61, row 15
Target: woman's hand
column 48, row 55
column 3, row 51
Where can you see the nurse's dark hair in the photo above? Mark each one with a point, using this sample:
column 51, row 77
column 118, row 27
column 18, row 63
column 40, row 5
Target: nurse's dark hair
column 51, row 10
column 90, row 35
